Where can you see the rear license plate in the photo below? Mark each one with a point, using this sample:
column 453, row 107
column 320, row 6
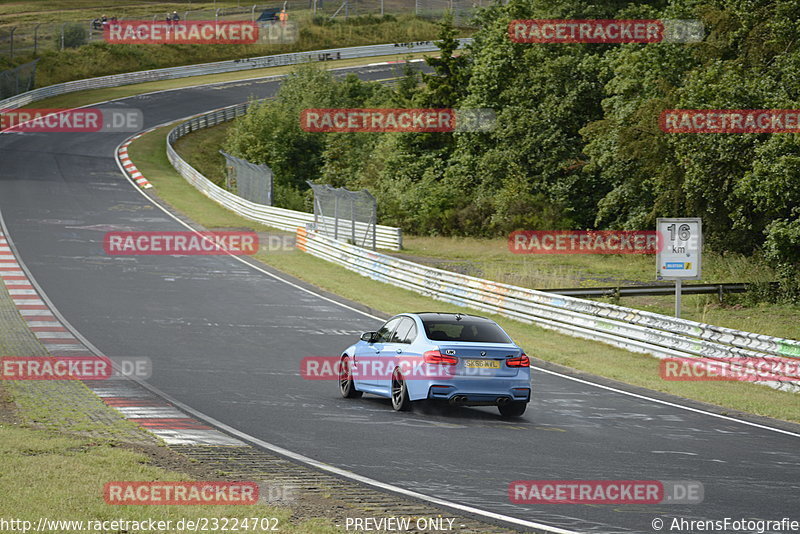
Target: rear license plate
column 482, row 364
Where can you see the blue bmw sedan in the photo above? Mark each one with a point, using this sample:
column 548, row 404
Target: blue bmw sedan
column 462, row 359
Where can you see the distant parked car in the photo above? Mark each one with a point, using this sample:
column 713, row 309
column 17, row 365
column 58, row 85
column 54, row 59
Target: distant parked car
column 269, row 15
column 462, row 359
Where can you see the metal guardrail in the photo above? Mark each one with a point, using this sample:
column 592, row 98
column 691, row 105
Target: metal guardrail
column 632, row 291
column 636, row 330
column 234, row 65
column 386, row 237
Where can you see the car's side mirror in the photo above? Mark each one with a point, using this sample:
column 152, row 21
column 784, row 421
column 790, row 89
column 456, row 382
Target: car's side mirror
column 369, row 337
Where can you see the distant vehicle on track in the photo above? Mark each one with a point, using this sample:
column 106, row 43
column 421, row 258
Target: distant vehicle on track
column 463, row 359
column 269, row 15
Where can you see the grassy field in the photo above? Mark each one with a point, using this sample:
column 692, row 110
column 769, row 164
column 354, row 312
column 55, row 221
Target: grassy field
column 148, row 153
column 56, row 476
column 44, row 11
column 100, row 58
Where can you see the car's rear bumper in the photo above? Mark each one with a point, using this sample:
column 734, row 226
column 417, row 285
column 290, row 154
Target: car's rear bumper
column 480, row 393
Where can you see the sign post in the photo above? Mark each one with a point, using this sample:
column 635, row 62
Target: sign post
column 679, row 252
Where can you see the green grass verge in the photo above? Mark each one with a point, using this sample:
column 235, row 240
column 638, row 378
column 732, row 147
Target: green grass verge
column 48, row 475
column 149, row 154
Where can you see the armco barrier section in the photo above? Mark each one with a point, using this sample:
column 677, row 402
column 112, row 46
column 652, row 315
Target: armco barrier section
column 116, row 80
column 640, row 331
column 386, row 237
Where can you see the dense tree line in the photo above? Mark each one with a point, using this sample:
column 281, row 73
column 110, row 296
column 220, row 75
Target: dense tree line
column 577, row 143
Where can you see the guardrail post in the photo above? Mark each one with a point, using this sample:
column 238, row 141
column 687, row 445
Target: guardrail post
column 36, row 38
column 253, row 14
column 353, row 221
column 11, row 50
column 336, row 217
column 720, row 290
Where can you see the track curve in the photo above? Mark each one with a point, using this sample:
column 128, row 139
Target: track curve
column 227, row 340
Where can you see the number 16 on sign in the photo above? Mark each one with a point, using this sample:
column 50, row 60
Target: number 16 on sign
column 680, row 251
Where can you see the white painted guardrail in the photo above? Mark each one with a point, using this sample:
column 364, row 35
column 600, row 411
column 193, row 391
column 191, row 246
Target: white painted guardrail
column 185, row 71
column 386, row 237
column 639, row 331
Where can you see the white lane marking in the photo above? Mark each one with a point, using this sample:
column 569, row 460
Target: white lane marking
column 13, row 292
column 672, row 404
column 26, row 302
column 36, row 313
column 194, row 437
column 64, row 347
column 54, row 335
column 150, row 412
column 34, row 324
column 349, row 474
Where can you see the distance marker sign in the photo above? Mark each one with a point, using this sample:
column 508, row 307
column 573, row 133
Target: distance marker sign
column 678, row 257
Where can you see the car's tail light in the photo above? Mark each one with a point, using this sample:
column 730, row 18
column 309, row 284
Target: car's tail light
column 519, row 361
column 436, row 357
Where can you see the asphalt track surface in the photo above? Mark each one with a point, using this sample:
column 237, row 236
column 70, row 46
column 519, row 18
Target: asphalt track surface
column 227, row 340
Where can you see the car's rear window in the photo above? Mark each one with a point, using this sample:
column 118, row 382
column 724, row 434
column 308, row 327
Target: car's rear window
column 466, row 329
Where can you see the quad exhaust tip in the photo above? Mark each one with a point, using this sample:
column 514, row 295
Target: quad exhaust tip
column 461, row 399
column 458, row 399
